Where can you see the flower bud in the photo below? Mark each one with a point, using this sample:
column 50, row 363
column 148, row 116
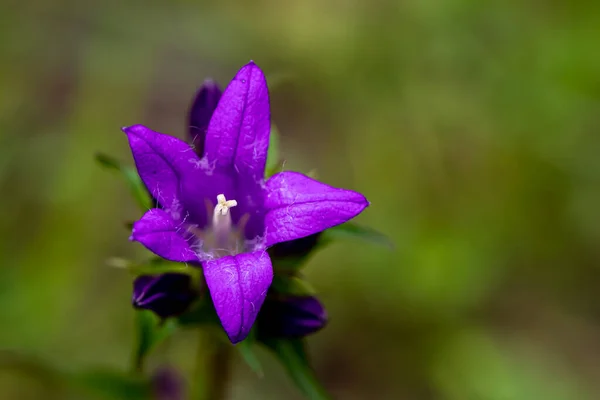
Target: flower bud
column 166, row 295
column 200, row 112
column 291, row 317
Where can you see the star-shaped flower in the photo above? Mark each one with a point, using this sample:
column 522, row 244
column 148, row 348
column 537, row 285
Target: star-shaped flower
column 217, row 210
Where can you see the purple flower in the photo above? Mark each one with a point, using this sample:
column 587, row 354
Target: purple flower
column 166, row 295
column 200, row 112
column 291, row 317
column 218, row 211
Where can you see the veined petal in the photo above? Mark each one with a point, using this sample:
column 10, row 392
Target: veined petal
column 160, row 234
column 238, row 133
column 298, row 206
column 161, row 161
column 238, row 286
column 200, row 112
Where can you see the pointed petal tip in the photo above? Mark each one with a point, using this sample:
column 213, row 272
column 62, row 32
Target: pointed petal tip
column 250, row 66
column 360, row 198
column 237, row 305
column 236, row 339
column 127, row 129
column 299, row 206
column 239, row 129
column 133, row 129
column 213, row 86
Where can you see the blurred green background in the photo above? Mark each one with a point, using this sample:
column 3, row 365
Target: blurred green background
column 473, row 127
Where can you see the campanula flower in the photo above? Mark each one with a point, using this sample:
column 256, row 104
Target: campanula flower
column 218, row 211
column 166, row 295
column 291, row 317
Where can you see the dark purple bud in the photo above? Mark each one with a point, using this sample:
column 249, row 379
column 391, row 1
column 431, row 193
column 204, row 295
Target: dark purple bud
column 166, row 295
column 295, row 248
column 167, row 384
column 291, row 317
column 200, row 112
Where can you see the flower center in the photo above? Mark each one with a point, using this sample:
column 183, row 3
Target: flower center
column 220, row 238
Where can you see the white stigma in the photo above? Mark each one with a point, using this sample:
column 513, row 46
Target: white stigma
column 221, row 215
column 223, row 205
column 222, row 220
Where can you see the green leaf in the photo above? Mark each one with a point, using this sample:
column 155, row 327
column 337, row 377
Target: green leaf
column 108, row 384
column 150, row 332
column 291, row 353
column 288, row 257
column 292, row 285
column 246, row 349
column 135, row 184
column 313, row 173
column 152, row 267
column 274, row 164
column 60, row 382
column 350, row 230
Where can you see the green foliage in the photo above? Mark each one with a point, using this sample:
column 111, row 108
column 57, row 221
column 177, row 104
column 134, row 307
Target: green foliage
column 109, row 385
column 350, row 230
column 246, row 350
column 274, row 162
column 292, row 285
column 62, row 382
column 289, row 262
column 154, row 266
column 134, row 183
column 151, row 331
column 291, row 353
column 502, row 370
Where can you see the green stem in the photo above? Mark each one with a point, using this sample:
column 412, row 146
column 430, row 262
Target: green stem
column 213, row 360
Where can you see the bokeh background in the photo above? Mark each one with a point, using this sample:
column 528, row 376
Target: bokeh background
column 473, row 127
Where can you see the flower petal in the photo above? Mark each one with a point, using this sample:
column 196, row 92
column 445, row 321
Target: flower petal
column 238, row 133
column 298, row 206
column 161, row 161
column 238, row 286
column 200, row 113
column 160, row 234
